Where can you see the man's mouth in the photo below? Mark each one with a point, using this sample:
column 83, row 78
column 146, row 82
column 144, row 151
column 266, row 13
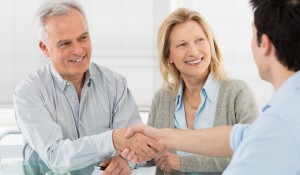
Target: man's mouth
column 77, row 60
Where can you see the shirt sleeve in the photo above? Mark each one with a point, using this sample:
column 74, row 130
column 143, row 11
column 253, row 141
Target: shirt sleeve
column 125, row 112
column 46, row 137
column 266, row 147
column 237, row 135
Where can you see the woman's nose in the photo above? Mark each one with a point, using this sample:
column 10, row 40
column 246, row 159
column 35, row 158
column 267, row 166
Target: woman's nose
column 193, row 51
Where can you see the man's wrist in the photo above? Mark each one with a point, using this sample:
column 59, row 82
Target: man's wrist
column 129, row 163
column 117, row 139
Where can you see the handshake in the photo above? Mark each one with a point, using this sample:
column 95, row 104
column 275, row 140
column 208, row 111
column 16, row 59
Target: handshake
column 140, row 143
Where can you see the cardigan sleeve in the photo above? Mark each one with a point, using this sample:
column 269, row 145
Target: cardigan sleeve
column 245, row 107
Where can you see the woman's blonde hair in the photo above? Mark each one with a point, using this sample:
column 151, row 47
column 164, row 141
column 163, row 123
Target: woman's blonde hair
column 171, row 75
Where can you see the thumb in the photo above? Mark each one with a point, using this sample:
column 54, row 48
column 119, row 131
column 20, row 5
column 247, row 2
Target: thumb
column 129, row 132
column 134, row 129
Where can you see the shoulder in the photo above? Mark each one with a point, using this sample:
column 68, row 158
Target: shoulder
column 234, row 86
column 36, row 80
column 162, row 93
column 101, row 73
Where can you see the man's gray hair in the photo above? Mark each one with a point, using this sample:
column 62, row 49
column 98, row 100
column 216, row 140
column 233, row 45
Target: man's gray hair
column 53, row 8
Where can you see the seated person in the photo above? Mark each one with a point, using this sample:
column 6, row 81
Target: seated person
column 196, row 93
column 69, row 111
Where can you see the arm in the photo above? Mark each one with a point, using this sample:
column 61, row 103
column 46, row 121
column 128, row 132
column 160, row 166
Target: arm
column 46, row 137
column 213, row 141
column 277, row 149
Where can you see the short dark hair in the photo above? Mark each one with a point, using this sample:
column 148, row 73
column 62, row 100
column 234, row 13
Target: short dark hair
column 280, row 21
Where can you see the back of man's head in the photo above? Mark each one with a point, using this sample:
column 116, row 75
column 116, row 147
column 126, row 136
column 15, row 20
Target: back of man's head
column 52, row 8
column 280, row 21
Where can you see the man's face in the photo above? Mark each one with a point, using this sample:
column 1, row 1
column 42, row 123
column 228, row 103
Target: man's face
column 68, row 44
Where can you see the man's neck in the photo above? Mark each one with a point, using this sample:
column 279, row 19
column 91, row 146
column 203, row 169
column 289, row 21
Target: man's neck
column 77, row 83
column 279, row 75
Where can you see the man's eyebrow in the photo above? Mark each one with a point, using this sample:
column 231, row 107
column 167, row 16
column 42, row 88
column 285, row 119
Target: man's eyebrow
column 63, row 41
column 85, row 33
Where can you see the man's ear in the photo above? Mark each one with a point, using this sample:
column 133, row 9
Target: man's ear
column 266, row 44
column 44, row 48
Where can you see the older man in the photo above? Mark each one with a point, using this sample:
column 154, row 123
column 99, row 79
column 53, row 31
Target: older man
column 70, row 109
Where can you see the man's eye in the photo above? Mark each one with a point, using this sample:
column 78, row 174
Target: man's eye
column 83, row 38
column 64, row 45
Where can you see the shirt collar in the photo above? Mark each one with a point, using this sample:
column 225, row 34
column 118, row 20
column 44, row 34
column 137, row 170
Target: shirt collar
column 210, row 88
column 285, row 90
column 62, row 83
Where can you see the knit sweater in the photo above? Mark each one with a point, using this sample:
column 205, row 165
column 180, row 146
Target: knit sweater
column 236, row 104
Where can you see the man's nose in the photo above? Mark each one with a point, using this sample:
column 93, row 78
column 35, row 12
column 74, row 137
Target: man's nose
column 77, row 48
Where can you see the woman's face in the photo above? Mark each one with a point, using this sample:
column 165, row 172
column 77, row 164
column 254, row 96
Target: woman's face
column 190, row 50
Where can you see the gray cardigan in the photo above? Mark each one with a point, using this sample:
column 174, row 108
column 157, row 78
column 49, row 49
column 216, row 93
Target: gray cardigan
column 236, row 104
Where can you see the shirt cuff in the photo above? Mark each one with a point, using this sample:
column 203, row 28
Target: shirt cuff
column 104, row 144
column 237, row 135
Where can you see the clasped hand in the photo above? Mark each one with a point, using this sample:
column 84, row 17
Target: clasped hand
column 138, row 146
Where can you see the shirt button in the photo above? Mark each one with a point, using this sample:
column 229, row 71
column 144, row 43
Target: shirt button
column 73, row 98
column 68, row 83
column 80, row 122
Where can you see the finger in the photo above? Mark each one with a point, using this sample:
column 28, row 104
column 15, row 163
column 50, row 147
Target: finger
column 149, row 153
column 135, row 159
column 131, row 155
column 154, row 145
column 105, row 163
column 125, row 152
column 125, row 171
column 168, row 167
column 140, row 159
column 120, row 151
column 116, row 171
column 110, row 168
column 160, row 161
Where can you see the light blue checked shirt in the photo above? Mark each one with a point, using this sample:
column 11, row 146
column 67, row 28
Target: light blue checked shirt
column 270, row 145
column 64, row 132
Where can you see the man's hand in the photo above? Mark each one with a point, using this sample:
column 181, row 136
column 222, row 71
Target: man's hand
column 143, row 146
column 131, row 154
column 168, row 162
column 116, row 165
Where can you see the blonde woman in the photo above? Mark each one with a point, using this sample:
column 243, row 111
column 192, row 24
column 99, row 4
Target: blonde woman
column 196, row 92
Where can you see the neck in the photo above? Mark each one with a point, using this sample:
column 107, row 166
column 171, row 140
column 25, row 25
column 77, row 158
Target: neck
column 194, row 85
column 279, row 74
column 77, row 82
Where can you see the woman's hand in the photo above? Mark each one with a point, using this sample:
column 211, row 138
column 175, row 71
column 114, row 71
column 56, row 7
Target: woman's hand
column 168, row 162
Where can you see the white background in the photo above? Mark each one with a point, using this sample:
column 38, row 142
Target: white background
column 123, row 35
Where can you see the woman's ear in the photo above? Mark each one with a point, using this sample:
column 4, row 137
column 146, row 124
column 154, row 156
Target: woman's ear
column 170, row 60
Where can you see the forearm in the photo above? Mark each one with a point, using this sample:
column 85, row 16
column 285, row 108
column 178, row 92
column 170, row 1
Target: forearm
column 210, row 142
column 67, row 155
